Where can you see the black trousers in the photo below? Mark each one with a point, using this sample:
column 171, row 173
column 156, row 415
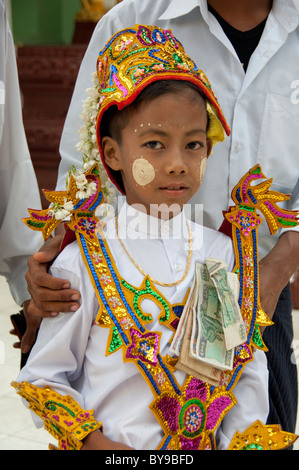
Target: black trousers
column 283, row 386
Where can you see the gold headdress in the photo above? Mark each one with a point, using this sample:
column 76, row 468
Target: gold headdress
column 137, row 57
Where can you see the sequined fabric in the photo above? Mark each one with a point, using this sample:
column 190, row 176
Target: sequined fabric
column 63, row 417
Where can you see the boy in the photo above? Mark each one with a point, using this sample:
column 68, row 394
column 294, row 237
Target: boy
column 154, row 148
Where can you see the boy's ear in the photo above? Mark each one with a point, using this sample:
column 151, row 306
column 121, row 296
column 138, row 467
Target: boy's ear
column 111, row 152
column 209, row 147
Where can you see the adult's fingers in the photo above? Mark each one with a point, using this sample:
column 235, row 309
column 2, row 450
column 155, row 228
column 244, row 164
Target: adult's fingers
column 16, row 345
column 49, row 295
column 39, row 261
column 38, row 264
column 32, row 325
column 38, row 277
column 50, row 248
column 51, row 308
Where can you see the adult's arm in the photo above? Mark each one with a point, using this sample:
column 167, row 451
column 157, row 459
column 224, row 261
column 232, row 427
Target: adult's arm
column 19, row 189
column 49, row 295
column 276, row 269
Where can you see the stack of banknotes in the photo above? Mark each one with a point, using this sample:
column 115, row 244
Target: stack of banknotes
column 211, row 325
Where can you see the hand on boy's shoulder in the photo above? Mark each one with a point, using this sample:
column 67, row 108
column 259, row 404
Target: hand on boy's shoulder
column 49, row 295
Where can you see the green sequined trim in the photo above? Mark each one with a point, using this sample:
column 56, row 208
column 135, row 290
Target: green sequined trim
column 257, row 339
column 116, row 341
column 148, row 292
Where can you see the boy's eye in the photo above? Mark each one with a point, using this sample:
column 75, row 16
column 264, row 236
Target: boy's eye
column 154, row 144
column 194, row 145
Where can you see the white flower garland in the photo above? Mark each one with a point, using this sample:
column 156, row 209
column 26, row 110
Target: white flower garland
column 91, row 155
column 61, row 212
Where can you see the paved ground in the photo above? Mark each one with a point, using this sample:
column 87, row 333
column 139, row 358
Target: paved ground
column 17, row 431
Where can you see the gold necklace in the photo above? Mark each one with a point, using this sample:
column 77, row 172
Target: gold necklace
column 155, row 281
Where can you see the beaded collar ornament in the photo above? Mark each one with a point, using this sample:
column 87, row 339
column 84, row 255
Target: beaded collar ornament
column 155, row 281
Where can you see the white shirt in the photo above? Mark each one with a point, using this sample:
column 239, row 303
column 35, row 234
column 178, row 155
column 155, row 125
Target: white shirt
column 18, row 184
column 69, row 354
column 261, row 106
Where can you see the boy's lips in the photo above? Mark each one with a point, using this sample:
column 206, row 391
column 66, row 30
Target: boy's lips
column 174, row 189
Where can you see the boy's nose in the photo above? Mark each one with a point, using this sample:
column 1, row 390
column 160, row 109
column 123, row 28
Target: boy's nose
column 176, row 163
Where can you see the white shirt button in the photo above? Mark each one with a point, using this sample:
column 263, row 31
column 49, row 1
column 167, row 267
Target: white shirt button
column 165, row 229
column 237, row 147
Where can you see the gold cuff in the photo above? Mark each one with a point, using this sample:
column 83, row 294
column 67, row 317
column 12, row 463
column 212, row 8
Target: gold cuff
column 62, row 415
column 259, row 436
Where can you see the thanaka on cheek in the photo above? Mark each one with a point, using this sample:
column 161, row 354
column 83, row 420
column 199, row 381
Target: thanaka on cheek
column 143, row 172
column 203, row 166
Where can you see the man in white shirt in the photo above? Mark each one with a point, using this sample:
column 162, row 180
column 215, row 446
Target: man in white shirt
column 261, row 107
column 18, row 183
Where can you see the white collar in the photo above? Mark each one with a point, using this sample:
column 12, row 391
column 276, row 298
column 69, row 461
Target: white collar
column 178, row 8
column 286, row 11
column 148, row 226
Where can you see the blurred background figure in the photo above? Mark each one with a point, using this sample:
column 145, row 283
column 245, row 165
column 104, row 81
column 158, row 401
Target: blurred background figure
column 19, row 189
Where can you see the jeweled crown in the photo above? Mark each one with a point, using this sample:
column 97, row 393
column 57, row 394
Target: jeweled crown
column 136, row 57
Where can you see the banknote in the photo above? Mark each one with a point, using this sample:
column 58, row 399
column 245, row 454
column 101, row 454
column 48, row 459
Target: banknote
column 211, row 325
column 226, row 285
column 176, row 344
column 207, row 337
column 192, row 366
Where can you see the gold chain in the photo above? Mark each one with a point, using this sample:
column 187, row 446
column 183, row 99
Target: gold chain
column 155, row 281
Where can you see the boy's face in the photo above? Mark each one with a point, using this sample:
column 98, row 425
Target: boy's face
column 163, row 151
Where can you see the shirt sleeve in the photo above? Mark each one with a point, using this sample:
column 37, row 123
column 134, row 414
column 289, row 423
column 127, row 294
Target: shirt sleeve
column 251, row 393
column 54, row 370
column 19, row 189
column 293, row 204
column 58, row 355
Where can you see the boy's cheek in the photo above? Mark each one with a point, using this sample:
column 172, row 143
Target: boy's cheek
column 199, row 170
column 143, row 172
column 203, row 166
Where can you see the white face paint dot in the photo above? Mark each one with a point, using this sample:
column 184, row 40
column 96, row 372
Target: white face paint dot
column 143, row 172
